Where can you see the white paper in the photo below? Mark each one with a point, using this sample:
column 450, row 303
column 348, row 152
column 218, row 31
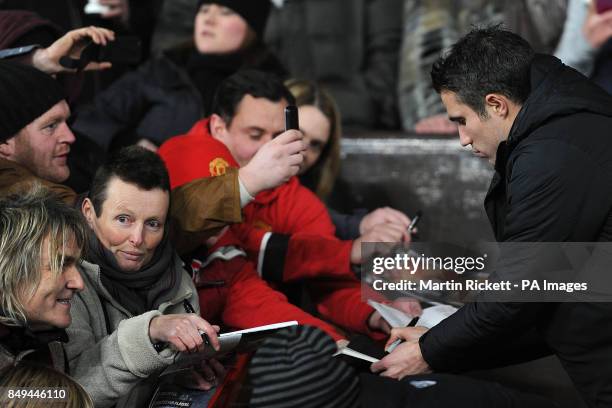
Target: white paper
column 433, row 315
column 393, row 316
column 352, row 353
column 257, row 329
column 430, row 316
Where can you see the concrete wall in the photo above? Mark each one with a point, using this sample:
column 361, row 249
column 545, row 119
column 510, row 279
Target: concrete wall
column 434, row 174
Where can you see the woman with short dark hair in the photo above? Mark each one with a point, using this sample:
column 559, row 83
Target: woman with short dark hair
column 140, row 307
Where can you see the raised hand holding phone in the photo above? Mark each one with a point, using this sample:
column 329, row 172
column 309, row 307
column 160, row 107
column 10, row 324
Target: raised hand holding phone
column 278, row 160
column 122, row 51
column 69, row 48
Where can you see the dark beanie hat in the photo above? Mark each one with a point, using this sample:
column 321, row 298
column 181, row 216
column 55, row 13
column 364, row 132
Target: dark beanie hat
column 20, row 27
column 255, row 12
column 25, row 94
column 296, row 368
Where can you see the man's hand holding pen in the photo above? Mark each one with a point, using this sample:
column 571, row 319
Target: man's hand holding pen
column 406, row 358
column 384, row 225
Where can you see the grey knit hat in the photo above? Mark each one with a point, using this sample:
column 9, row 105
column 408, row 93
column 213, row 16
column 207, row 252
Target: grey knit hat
column 296, row 368
column 25, row 94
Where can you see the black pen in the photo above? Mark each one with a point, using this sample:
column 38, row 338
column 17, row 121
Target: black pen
column 190, row 309
column 414, row 221
column 397, row 342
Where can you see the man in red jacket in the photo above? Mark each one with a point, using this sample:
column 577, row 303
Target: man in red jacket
column 287, row 231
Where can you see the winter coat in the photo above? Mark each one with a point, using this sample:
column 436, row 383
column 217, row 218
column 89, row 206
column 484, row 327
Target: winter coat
column 155, row 101
column 109, row 350
column 16, row 179
column 553, row 183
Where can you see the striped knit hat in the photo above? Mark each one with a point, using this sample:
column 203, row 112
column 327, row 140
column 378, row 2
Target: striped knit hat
column 295, row 368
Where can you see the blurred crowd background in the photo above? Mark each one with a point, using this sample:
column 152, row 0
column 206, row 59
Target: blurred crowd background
column 373, row 56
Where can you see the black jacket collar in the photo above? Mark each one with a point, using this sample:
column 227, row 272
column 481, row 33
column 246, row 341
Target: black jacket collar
column 17, row 339
column 556, row 91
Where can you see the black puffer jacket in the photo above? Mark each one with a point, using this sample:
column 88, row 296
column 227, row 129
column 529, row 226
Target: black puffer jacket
column 553, row 183
column 155, row 102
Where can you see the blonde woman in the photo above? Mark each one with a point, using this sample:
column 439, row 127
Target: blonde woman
column 40, row 243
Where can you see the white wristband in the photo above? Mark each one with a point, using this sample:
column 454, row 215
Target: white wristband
column 245, row 196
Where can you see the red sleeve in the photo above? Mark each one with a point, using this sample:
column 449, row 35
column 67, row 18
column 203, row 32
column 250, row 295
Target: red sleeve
column 341, row 303
column 303, row 244
column 311, row 257
column 313, row 250
column 251, row 302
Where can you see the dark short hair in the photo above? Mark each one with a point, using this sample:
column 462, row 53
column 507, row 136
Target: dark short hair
column 258, row 84
column 487, row 60
column 134, row 165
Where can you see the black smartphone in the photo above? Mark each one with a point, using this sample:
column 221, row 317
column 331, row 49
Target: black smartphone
column 291, row 118
column 123, row 51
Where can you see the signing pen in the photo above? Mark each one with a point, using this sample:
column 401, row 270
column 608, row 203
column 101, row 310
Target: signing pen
column 190, row 309
column 397, row 342
column 414, row 221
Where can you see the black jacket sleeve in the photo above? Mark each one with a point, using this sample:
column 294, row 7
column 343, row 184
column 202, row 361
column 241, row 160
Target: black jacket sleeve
column 117, row 110
column 347, row 225
column 484, row 335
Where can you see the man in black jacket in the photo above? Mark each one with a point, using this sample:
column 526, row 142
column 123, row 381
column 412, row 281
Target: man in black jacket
column 546, row 129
